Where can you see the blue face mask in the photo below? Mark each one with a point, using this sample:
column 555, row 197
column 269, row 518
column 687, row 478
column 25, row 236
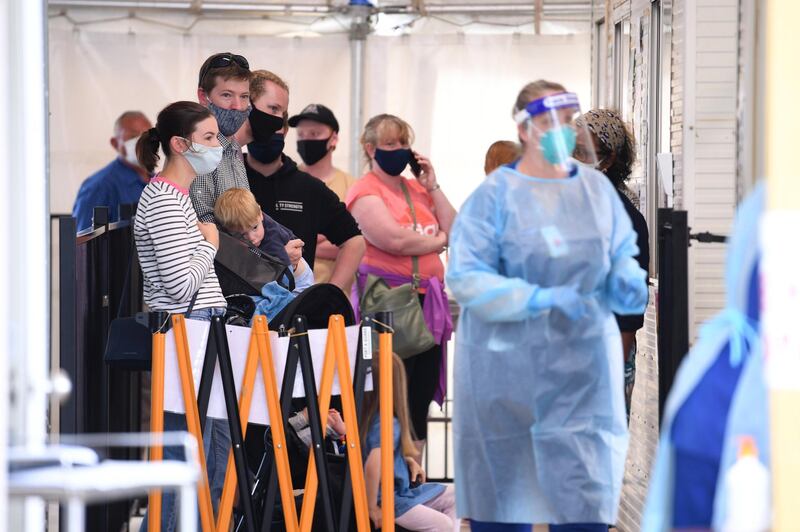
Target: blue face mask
column 393, row 162
column 557, row 144
column 267, row 152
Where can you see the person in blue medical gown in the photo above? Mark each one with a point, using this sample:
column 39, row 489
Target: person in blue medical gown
column 542, row 256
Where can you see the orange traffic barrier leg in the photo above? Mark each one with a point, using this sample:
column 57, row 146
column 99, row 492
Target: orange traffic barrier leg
column 276, row 423
column 193, row 419
column 387, row 431
column 245, row 400
column 324, row 395
column 354, row 458
column 337, row 358
column 156, row 425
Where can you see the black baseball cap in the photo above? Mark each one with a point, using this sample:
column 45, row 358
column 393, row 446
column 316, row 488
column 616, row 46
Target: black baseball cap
column 318, row 113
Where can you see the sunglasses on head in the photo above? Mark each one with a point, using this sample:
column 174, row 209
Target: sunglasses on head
column 224, row 60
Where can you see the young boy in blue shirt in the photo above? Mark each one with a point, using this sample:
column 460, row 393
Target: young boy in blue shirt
column 238, row 212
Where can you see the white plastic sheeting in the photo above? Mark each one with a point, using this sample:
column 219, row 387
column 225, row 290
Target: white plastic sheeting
column 197, row 333
column 456, row 90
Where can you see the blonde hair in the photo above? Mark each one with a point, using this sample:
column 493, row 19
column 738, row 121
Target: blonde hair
column 378, row 128
column 532, row 91
column 400, row 400
column 236, row 209
column 258, row 82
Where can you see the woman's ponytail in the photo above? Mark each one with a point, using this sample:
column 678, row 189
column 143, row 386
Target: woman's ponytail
column 147, row 149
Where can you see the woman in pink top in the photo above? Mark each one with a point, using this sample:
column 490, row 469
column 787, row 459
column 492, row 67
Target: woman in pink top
column 378, row 203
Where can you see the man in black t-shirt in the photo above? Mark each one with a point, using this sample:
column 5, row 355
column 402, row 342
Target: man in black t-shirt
column 294, row 198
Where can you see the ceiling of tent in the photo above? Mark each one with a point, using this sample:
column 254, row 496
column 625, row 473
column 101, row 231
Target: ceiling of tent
column 310, row 17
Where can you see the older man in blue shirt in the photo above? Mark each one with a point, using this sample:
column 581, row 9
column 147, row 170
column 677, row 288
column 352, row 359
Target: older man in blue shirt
column 122, row 180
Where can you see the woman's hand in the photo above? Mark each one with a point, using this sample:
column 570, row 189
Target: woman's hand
column 416, row 473
column 427, row 177
column 376, row 515
column 294, row 248
column 210, row 233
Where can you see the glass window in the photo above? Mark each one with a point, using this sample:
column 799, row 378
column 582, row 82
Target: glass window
column 622, row 51
column 600, row 64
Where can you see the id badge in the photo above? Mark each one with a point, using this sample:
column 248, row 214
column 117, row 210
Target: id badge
column 556, row 244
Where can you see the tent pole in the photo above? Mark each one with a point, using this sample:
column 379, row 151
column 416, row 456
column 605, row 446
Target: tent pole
column 359, row 29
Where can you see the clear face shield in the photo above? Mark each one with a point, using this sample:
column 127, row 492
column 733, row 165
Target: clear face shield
column 554, row 130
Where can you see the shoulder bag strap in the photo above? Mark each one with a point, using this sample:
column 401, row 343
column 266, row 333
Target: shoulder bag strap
column 191, row 303
column 415, row 279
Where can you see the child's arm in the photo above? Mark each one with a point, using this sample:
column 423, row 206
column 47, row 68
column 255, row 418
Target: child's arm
column 300, row 267
column 336, row 424
column 303, row 277
column 372, row 479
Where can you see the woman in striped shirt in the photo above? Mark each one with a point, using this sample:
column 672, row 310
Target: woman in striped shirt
column 177, row 252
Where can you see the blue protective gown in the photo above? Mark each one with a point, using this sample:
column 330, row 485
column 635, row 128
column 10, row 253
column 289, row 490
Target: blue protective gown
column 539, row 423
column 724, row 369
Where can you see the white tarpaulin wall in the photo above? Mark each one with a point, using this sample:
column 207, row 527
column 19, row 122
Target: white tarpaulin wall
column 456, row 90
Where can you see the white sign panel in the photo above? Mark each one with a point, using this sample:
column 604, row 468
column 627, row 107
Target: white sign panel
column 238, row 342
column 781, row 298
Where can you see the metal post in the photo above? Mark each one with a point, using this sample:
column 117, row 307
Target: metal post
column 67, row 346
column 76, row 515
column 188, row 514
column 100, row 216
column 24, row 238
column 359, row 29
column 673, row 298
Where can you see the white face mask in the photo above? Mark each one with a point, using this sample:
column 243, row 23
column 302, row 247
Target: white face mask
column 130, row 151
column 204, row 159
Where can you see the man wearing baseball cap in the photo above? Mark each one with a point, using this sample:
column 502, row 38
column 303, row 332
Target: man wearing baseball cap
column 317, row 136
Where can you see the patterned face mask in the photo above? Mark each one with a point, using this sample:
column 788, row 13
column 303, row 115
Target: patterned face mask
column 229, row 120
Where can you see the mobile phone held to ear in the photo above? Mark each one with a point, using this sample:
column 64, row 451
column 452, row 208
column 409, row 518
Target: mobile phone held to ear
column 416, row 169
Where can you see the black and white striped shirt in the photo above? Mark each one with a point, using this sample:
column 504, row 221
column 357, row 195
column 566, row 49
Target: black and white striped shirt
column 176, row 260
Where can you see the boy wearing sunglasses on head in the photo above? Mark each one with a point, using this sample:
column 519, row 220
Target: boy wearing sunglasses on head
column 224, row 88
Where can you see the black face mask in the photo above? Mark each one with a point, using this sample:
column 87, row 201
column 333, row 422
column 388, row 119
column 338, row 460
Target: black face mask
column 393, row 162
column 264, row 125
column 312, row 151
column 267, row 152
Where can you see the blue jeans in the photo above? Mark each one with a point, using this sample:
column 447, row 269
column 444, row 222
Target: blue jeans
column 216, row 445
column 480, row 526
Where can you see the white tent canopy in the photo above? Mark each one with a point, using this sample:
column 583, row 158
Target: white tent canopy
column 453, row 75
